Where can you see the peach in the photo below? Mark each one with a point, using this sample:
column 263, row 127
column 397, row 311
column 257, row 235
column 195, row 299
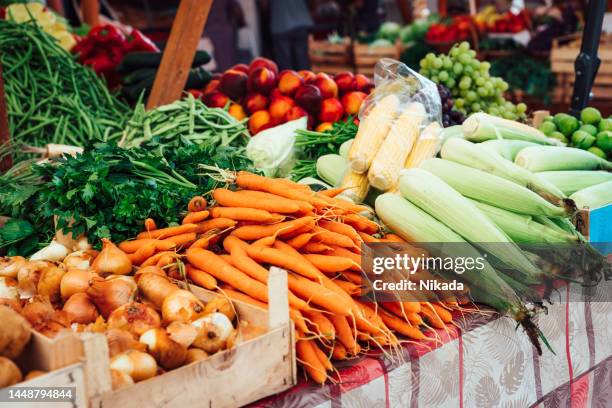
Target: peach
column 234, row 83
column 241, row 67
column 255, row 102
column 212, row 86
column 361, row 83
column 276, row 93
column 295, row 113
column 327, row 86
column 279, row 107
column 331, row 110
column 322, row 127
column 215, row 99
column 289, row 81
column 307, row 76
column 344, row 80
column 259, row 121
column 351, row 102
column 263, row 62
column 309, row 98
column 261, row 80
column 237, row 111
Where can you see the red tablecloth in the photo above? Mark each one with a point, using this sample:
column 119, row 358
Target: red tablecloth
column 483, row 361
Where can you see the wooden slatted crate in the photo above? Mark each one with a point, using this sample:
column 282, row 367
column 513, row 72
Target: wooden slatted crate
column 329, row 57
column 366, row 56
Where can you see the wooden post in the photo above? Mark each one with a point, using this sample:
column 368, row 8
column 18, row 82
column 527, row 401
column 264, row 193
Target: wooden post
column 90, row 11
column 5, row 134
column 178, row 55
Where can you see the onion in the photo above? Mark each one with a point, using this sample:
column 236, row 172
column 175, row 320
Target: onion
column 149, row 269
column 112, row 260
column 10, row 374
column 109, row 294
column 214, row 330
column 181, row 305
column 8, row 288
column 54, row 252
column 120, row 341
column 221, row 305
column 12, row 303
column 154, row 287
column 10, row 266
column 136, row 364
column 39, row 312
column 82, row 244
column 195, row 354
column 75, row 281
column 182, row 332
column 80, row 259
column 168, row 353
column 80, row 309
column 34, row 374
column 49, row 283
column 120, row 379
column 28, row 277
column 134, row 317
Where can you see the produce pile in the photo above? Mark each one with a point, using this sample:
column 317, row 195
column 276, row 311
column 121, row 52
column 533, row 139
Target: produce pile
column 16, row 334
column 488, row 19
column 591, row 132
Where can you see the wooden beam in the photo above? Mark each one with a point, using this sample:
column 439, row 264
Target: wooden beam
column 90, row 11
column 178, row 55
column 5, row 134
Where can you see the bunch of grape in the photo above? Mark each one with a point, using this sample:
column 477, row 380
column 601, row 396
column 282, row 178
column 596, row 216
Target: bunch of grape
column 471, row 85
column 450, row 116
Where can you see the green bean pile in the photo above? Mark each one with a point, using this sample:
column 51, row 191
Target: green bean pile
column 183, row 123
column 50, row 97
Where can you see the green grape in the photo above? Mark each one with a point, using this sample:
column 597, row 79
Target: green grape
column 443, row 76
column 465, row 59
column 503, row 86
column 450, row 83
column 476, row 64
column 472, row 53
column 493, row 111
column 464, row 46
column 459, row 102
column 434, row 78
column 455, row 51
column 423, row 63
column 480, row 81
column 437, row 63
column 471, row 96
column 457, row 68
column 489, row 86
column 463, row 92
column 447, row 63
column 521, row 108
column 485, row 66
column 468, row 70
column 475, row 107
column 482, row 91
column 430, row 57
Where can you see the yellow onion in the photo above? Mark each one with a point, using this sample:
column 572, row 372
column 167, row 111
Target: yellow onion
column 111, row 260
column 80, row 309
column 182, row 332
column 136, row 364
column 54, row 252
column 10, row 374
column 49, row 283
column 8, row 288
column 195, row 354
column 120, row 379
column 10, row 266
column 168, row 353
column 75, row 281
column 39, row 312
column 221, row 305
column 110, row 294
column 120, row 341
column 181, row 305
column 134, row 317
column 34, row 374
column 214, row 331
column 80, row 259
column 28, row 277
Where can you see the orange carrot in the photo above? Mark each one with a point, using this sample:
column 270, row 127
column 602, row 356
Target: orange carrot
column 332, row 192
column 323, row 358
column 197, row 203
column 230, row 198
column 361, row 223
column 153, row 259
column 245, row 214
column 201, row 278
column 339, row 352
column 443, row 313
column 308, row 357
column 205, row 241
column 143, row 253
column 213, row 264
column 332, row 238
column 252, row 181
column 321, row 324
column 394, row 238
column 352, row 277
column 215, row 223
column 168, row 232
column 341, row 228
column 166, row 260
column 400, row 325
column 195, row 217
column 300, row 240
column 281, row 259
column 348, row 287
column 401, row 309
column 367, row 237
column 253, row 232
column 182, row 240
column 319, row 295
column 329, row 263
column 344, row 332
column 429, row 313
column 130, row 247
column 150, row 225
column 356, row 258
column 316, row 248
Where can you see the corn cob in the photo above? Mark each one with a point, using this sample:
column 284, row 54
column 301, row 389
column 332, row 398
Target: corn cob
column 357, row 186
column 595, row 196
column 506, row 148
column 426, row 146
column 547, row 158
column 569, row 181
column 480, row 126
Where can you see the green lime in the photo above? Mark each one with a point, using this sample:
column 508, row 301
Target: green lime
column 597, row 152
column 559, row 136
column 582, row 140
column 590, row 115
column 605, row 124
column 590, row 129
column 547, row 128
column 604, row 140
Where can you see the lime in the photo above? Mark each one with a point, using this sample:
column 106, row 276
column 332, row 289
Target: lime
column 590, row 115
column 547, row 128
column 582, row 140
column 590, row 129
column 597, row 152
column 604, row 140
column 605, row 124
column 559, row 136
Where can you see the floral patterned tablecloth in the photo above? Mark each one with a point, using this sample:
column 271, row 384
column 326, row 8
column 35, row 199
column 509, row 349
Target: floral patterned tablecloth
column 482, row 362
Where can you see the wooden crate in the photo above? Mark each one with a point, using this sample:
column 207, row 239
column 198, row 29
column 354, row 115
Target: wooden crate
column 562, row 58
column 330, row 58
column 366, row 56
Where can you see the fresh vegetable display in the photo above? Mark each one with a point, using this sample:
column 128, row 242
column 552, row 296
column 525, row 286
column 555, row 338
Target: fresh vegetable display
column 14, row 337
column 532, row 76
column 50, row 97
column 470, row 83
column 48, row 21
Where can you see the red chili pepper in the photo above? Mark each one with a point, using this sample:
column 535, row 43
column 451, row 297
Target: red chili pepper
column 196, row 94
column 107, row 34
column 85, row 47
column 137, row 41
column 101, row 63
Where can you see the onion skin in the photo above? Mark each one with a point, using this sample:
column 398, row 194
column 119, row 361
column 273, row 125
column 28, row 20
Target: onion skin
column 195, row 354
column 50, row 282
column 134, row 317
column 38, row 312
column 181, row 305
column 10, row 374
column 221, row 305
column 15, row 332
column 168, row 353
column 28, row 277
column 182, row 332
column 120, row 379
column 110, row 294
column 75, row 281
column 136, row 364
column 214, row 331
column 120, row 341
column 111, row 260
column 10, row 266
column 9, row 289
column 81, row 309
column 155, row 288
column 80, row 259
column 12, row 303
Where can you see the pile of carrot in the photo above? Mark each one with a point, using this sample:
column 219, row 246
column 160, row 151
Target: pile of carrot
column 257, row 222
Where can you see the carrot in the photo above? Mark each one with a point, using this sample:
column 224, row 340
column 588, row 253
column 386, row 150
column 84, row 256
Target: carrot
column 293, row 184
column 245, row 214
column 168, row 232
column 295, row 315
column 228, row 198
column 153, row 259
column 304, row 207
column 339, row 352
column 182, row 240
column 329, row 263
column 253, row 232
column 143, row 253
column 252, row 181
column 356, row 258
column 316, row 248
column 341, row 228
column 195, row 217
column 205, row 241
column 300, row 240
column 393, row 238
column 166, row 260
column 443, row 313
column 216, row 223
column 352, row 277
column 213, row 264
column 344, row 332
column 348, row 287
column 361, row 223
column 129, row 247
column 321, row 324
column 284, row 260
column 333, row 238
column 367, row 237
column 308, row 357
column 429, row 313
column 150, row 225
column 201, row 278
column 340, row 203
column 399, row 325
column 197, row 203
column 332, row 192
column 323, row 358
column 319, row 295
column 401, row 309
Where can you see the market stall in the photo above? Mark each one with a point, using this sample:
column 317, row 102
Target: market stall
column 168, row 232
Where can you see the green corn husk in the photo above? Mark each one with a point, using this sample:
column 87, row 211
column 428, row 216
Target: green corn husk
column 570, row 181
column 549, row 158
column 491, row 189
column 508, row 149
column 480, row 126
column 592, row 197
